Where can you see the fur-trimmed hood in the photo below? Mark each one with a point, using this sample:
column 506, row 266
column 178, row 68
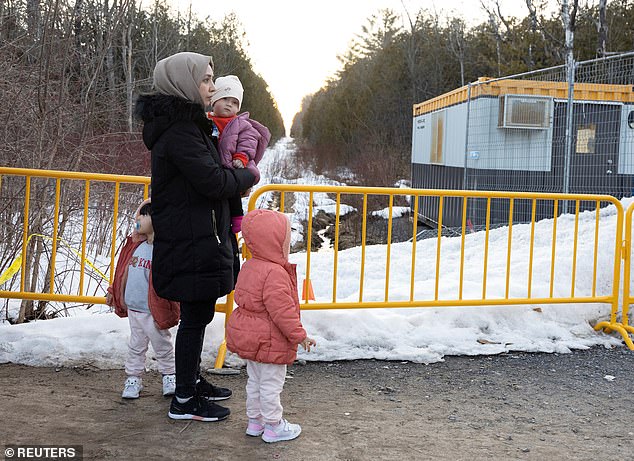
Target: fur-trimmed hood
column 159, row 112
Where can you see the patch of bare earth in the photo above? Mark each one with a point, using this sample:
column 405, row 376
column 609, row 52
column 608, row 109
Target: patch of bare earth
column 513, row 406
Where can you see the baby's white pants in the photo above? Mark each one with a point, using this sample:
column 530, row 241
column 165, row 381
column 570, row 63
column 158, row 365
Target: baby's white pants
column 264, row 387
column 143, row 330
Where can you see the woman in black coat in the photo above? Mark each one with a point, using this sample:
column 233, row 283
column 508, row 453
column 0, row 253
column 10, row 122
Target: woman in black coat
column 193, row 257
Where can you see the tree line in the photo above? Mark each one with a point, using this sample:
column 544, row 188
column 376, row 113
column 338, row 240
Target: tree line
column 362, row 117
column 70, row 72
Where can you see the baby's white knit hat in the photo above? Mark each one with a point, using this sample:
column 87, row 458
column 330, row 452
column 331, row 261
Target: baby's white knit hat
column 228, row 87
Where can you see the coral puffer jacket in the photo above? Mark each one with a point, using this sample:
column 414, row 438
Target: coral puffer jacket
column 266, row 325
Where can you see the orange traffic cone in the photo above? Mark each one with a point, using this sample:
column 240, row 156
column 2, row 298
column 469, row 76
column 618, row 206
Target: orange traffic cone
column 307, row 291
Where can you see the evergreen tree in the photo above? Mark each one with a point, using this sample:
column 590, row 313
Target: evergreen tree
column 362, row 118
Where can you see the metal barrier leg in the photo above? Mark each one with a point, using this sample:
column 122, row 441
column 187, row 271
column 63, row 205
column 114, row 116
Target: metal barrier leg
column 625, row 252
column 227, row 309
column 608, row 327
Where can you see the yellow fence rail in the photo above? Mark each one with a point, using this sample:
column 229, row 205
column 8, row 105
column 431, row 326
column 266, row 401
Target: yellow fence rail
column 61, row 179
column 518, row 288
column 64, row 178
column 623, row 327
column 432, row 297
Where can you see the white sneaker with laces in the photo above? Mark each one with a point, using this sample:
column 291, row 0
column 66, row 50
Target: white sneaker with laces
column 169, row 385
column 281, row 431
column 132, row 387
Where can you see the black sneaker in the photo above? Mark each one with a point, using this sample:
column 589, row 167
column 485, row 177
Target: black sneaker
column 210, row 392
column 198, row 409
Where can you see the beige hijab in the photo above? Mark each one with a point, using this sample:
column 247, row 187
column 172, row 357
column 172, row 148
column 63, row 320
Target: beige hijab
column 181, row 75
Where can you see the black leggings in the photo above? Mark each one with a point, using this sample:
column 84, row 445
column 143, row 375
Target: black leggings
column 189, row 344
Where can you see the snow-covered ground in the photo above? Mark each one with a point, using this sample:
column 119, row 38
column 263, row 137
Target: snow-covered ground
column 426, row 335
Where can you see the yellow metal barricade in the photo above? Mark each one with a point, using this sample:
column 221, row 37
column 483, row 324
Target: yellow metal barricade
column 623, row 327
column 140, row 184
column 486, row 299
column 67, row 177
column 434, row 294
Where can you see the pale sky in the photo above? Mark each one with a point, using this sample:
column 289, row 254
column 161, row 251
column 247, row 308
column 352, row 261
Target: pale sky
column 294, row 44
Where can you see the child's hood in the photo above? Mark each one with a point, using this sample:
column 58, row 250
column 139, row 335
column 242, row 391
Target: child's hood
column 267, row 233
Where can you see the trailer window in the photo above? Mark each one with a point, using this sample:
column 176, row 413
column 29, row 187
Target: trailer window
column 630, row 119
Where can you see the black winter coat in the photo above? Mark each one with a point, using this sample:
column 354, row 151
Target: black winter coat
column 193, row 258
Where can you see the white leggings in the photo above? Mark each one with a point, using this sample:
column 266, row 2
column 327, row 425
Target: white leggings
column 143, row 330
column 264, row 387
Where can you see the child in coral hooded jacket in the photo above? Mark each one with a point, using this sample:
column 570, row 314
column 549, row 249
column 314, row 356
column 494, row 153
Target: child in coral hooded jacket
column 265, row 329
column 132, row 295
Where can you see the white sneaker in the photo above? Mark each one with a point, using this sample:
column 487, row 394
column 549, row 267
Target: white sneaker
column 255, row 427
column 132, row 387
column 169, row 385
column 281, row 431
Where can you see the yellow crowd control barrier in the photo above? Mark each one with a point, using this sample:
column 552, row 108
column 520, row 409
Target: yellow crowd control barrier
column 623, row 327
column 51, row 206
column 436, row 290
column 138, row 186
column 16, row 265
column 431, row 296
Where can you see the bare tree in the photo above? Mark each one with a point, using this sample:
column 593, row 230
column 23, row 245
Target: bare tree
column 496, row 19
column 568, row 19
column 34, row 19
column 126, row 57
column 568, row 10
column 69, row 72
column 457, row 44
column 411, row 55
column 602, row 29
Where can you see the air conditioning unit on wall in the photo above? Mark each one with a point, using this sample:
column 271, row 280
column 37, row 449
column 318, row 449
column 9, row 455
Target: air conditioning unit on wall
column 524, row 112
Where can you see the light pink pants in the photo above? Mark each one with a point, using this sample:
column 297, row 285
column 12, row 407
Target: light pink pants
column 264, row 387
column 143, row 330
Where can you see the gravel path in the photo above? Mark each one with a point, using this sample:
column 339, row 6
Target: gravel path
column 514, row 406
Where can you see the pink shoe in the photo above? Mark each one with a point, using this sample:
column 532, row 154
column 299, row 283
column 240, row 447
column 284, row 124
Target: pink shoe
column 255, row 427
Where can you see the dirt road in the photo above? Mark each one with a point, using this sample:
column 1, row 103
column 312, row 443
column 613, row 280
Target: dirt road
column 515, row 406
